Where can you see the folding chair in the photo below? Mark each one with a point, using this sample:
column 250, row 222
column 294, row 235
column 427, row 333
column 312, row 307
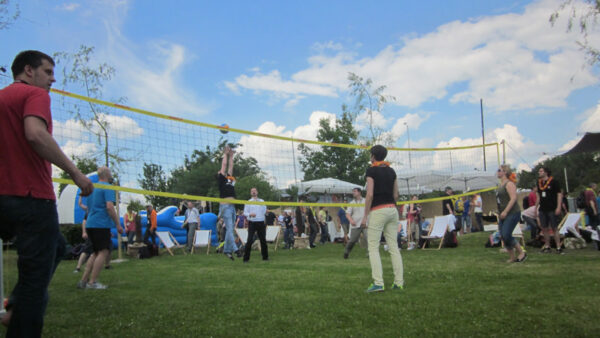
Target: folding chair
column 168, row 241
column 202, row 238
column 569, row 224
column 242, row 234
column 438, row 231
column 273, row 232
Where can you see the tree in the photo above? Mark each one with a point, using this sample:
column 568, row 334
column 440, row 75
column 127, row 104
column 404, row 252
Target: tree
column 586, row 17
column 347, row 164
column 8, row 14
column 84, row 164
column 154, row 179
column 369, row 100
column 80, row 70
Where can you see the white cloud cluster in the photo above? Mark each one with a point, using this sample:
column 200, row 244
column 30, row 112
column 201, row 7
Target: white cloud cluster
column 515, row 61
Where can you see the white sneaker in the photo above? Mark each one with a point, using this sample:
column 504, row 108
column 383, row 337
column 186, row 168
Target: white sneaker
column 81, row 284
column 97, row 286
column 411, row 246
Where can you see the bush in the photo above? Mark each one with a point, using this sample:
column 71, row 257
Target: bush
column 72, row 233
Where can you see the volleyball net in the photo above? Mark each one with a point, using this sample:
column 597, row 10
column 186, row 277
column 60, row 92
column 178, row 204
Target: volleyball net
column 160, row 155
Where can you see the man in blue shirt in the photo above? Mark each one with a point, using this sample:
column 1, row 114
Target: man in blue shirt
column 344, row 222
column 101, row 217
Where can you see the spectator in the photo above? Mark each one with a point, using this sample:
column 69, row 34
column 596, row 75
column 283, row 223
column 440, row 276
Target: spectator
column 256, row 223
column 129, row 222
column 192, row 220
column 300, row 219
column 355, row 216
column 240, row 221
column 344, row 223
column 27, row 199
column 270, row 217
column 467, row 212
column 531, row 218
column 151, row 226
column 323, row 224
column 591, row 206
column 288, row 233
column 532, row 197
column 549, row 200
column 509, row 213
column 314, row 229
column 412, row 222
column 477, row 205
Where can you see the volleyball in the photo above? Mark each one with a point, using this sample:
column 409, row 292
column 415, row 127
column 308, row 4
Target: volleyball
column 224, row 131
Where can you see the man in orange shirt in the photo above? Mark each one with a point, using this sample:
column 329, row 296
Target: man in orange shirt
column 151, row 227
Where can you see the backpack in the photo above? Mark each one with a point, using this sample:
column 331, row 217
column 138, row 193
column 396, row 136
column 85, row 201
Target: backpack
column 580, row 201
column 459, row 206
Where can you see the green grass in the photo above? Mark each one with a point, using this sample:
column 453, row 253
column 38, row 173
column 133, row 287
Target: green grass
column 467, row 291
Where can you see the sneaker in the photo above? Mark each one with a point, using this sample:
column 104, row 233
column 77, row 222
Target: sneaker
column 346, row 255
column 522, row 259
column 81, row 284
column 560, row 251
column 97, row 286
column 545, row 250
column 77, row 270
column 230, row 256
column 411, row 246
column 397, row 287
column 375, row 288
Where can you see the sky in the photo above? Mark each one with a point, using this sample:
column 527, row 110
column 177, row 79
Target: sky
column 278, row 66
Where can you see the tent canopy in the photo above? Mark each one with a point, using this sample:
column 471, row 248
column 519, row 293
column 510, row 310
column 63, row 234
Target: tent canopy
column 590, row 142
column 417, row 182
column 327, row 186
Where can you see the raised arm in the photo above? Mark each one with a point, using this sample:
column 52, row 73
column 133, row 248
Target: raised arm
column 230, row 168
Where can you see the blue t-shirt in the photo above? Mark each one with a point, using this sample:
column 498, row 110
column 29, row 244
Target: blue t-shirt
column 466, row 206
column 98, row 216
column 342, row 216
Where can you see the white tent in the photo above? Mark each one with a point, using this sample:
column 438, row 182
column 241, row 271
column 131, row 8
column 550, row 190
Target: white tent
column 413, row 181
column 327, row 186
column 472, row 180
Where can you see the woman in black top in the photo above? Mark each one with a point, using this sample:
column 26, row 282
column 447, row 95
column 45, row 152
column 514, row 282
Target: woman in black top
column 380, row 209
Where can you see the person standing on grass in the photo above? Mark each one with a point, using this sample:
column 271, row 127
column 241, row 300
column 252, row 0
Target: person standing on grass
column 413, row 231
column 477, row 206
column 323, row 223
column 288, row 233
column 27, row 199
column 509, row 212
column 344, row 223
column 314, row 228
column 380, row 210
column 129, row 222
column 192, row 220
column 226, row 182
column 355, row 216
column 591, row 205
column 151, row 217
column 300, row 219
column 549, row 199
column 102, row 216
column 256, row 224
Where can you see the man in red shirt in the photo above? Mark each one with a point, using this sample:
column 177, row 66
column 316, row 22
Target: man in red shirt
column 532, row 198
column 27, row 150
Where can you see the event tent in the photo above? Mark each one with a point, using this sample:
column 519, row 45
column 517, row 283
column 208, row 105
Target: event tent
column 327, row 186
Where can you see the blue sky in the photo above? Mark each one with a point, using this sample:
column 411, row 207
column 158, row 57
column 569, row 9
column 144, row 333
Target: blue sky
column 270, row 66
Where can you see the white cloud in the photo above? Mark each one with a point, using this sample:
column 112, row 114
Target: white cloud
column 376, row 119
column 276, row 157
column 69, row 7
column 514, row 61
column 119, row 126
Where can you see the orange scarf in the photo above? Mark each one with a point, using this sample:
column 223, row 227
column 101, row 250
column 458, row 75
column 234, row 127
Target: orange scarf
column 545, row 186
column 380, row 164
column 231, row 178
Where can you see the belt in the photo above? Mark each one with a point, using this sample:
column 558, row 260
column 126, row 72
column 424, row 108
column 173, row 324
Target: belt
column 381, row 206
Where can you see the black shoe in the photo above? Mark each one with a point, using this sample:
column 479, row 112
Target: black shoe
column 230, row 256
column 522, row 259
column 239, row 253
column 346, row 255
column 266, row 259
column 108, row 267
column 312, row 246
column 245, row 261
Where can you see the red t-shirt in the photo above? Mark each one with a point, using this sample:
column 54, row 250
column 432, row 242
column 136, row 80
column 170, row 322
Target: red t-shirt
column 532, row 198
column 22, row 171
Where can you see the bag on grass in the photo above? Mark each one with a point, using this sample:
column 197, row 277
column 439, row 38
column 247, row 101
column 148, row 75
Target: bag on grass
column 450, row 240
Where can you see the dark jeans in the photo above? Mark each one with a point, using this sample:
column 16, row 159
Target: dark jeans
column 532, row 223
column 479, row 221
column 324, row 233
column 261, row 230
column 288, row 237
column 150, row 233
column 40, row 247
column 313, row 234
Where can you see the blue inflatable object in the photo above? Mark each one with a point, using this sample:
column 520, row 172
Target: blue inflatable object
column 167, row 221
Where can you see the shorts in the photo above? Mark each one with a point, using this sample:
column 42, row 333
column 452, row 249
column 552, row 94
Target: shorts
column 100, row 238
column 548, row 219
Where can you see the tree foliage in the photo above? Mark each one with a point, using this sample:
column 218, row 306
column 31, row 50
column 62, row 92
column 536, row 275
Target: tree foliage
column 8, row 14
column 347, row 164
column 154, row 179
column 582, row 169
column 84, row 164
column 584, row 15
column 368, row 99
column 80, row 70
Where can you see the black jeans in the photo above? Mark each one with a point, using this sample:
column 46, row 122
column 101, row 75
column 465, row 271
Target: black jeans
column 324, row 233
column 313, row 234
column 150, row 233
column 40, row 247
column 261, row 230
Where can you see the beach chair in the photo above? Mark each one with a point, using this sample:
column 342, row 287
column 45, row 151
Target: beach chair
column 438, row 231
column 202, row 238
column 169, row 242
column 569, row 224
column 272, row 235
column 242, row 234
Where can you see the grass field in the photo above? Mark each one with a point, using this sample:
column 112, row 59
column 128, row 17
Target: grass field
column 466, row 291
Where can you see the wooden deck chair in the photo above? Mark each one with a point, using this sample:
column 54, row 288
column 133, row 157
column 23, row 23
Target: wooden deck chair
column 438, row 231
column 202, row 238
column 242, row 234
column 272, row 235
column 569, row 224
column 169, row 242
